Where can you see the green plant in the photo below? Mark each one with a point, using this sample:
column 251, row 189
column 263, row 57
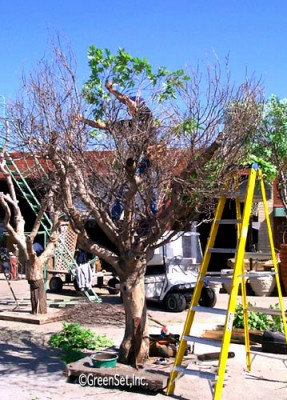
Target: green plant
column 128, row 73
column 257, row 320
column 73, row 338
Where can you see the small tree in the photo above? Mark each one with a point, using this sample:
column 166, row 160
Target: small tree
column 156, row 157
column 270, row 146
column 14, row 223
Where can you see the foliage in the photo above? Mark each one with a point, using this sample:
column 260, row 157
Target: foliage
column 127, row 72
column 257, row 320
column 268, row 169
column 270, row 148
column 73, row 338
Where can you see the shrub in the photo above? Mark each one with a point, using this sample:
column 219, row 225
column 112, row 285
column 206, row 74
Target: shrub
column 73, row 339
column 257, row 320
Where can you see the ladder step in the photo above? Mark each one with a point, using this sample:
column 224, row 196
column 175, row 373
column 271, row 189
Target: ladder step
column 221, row 250
column 268, row 311
column 216, row 279
column 94, row 298
column 200, row 374
column 210, row 310
column 267, row 355
column 230, row 195
column 228, row 221
column 259, row 274
column 208, row 342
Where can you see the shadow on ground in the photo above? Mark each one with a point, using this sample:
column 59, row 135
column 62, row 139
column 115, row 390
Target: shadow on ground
column 23, row 352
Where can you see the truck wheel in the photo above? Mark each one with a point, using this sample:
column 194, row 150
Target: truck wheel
column 175, row 302
column 112, row 283
column 207, row 298
column 56, row 284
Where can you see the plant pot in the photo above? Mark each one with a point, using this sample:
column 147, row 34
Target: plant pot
column 262, row 285
column 228, row 273
column 283, row 266
column 104, row 359
column 216, row 286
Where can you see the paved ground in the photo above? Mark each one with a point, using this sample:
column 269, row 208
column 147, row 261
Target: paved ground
column 30, row 370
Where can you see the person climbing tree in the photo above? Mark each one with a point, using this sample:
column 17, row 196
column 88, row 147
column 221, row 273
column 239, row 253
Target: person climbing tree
column 140, row 135
column 135, row 131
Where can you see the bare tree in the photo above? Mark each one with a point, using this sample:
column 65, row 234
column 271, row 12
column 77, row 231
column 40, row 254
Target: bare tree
column 14, row 222
column 145, row 167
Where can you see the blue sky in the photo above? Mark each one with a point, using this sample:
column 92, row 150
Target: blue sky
column 167, row 32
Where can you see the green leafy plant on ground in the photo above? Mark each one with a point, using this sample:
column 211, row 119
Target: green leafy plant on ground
column 73, row 339
column 257, row 320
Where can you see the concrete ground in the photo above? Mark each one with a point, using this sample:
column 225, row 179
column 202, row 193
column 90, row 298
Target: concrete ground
column 31, row 370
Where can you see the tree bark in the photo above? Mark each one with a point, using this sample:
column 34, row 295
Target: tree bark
column 34, row 275
column 38, row 296
column 134, row 348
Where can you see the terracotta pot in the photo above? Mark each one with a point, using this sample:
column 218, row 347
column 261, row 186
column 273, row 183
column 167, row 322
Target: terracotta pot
column 283, row 266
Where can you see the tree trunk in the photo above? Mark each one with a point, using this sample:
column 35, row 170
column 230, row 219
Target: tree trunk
column 38, row 296
column 134, row 348
column 34, row 275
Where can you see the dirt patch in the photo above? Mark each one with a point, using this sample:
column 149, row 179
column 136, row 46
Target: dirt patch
column 98, row 314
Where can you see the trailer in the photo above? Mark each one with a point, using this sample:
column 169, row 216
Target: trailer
column 64, row 269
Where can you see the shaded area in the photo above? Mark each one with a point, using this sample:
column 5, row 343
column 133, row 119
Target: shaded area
column 24, row 352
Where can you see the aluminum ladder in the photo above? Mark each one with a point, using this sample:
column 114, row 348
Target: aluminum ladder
column 217, row 375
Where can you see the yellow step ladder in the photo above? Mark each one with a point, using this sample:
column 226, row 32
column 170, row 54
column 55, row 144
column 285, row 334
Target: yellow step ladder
column 216, row 377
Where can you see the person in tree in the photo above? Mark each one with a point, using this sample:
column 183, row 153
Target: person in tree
column 140, row 135
column 136, row 106
column 139, row 131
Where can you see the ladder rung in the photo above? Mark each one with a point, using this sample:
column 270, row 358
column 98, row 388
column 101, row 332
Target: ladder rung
column 201, row 374
column 210, row 310
column 217, row 279
column 230, row 195
column 94, row 298
column 261, row 354
column 221, row 250
column 258, row 274
column 200, row 340
column 228, row 221
column 264, row 310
